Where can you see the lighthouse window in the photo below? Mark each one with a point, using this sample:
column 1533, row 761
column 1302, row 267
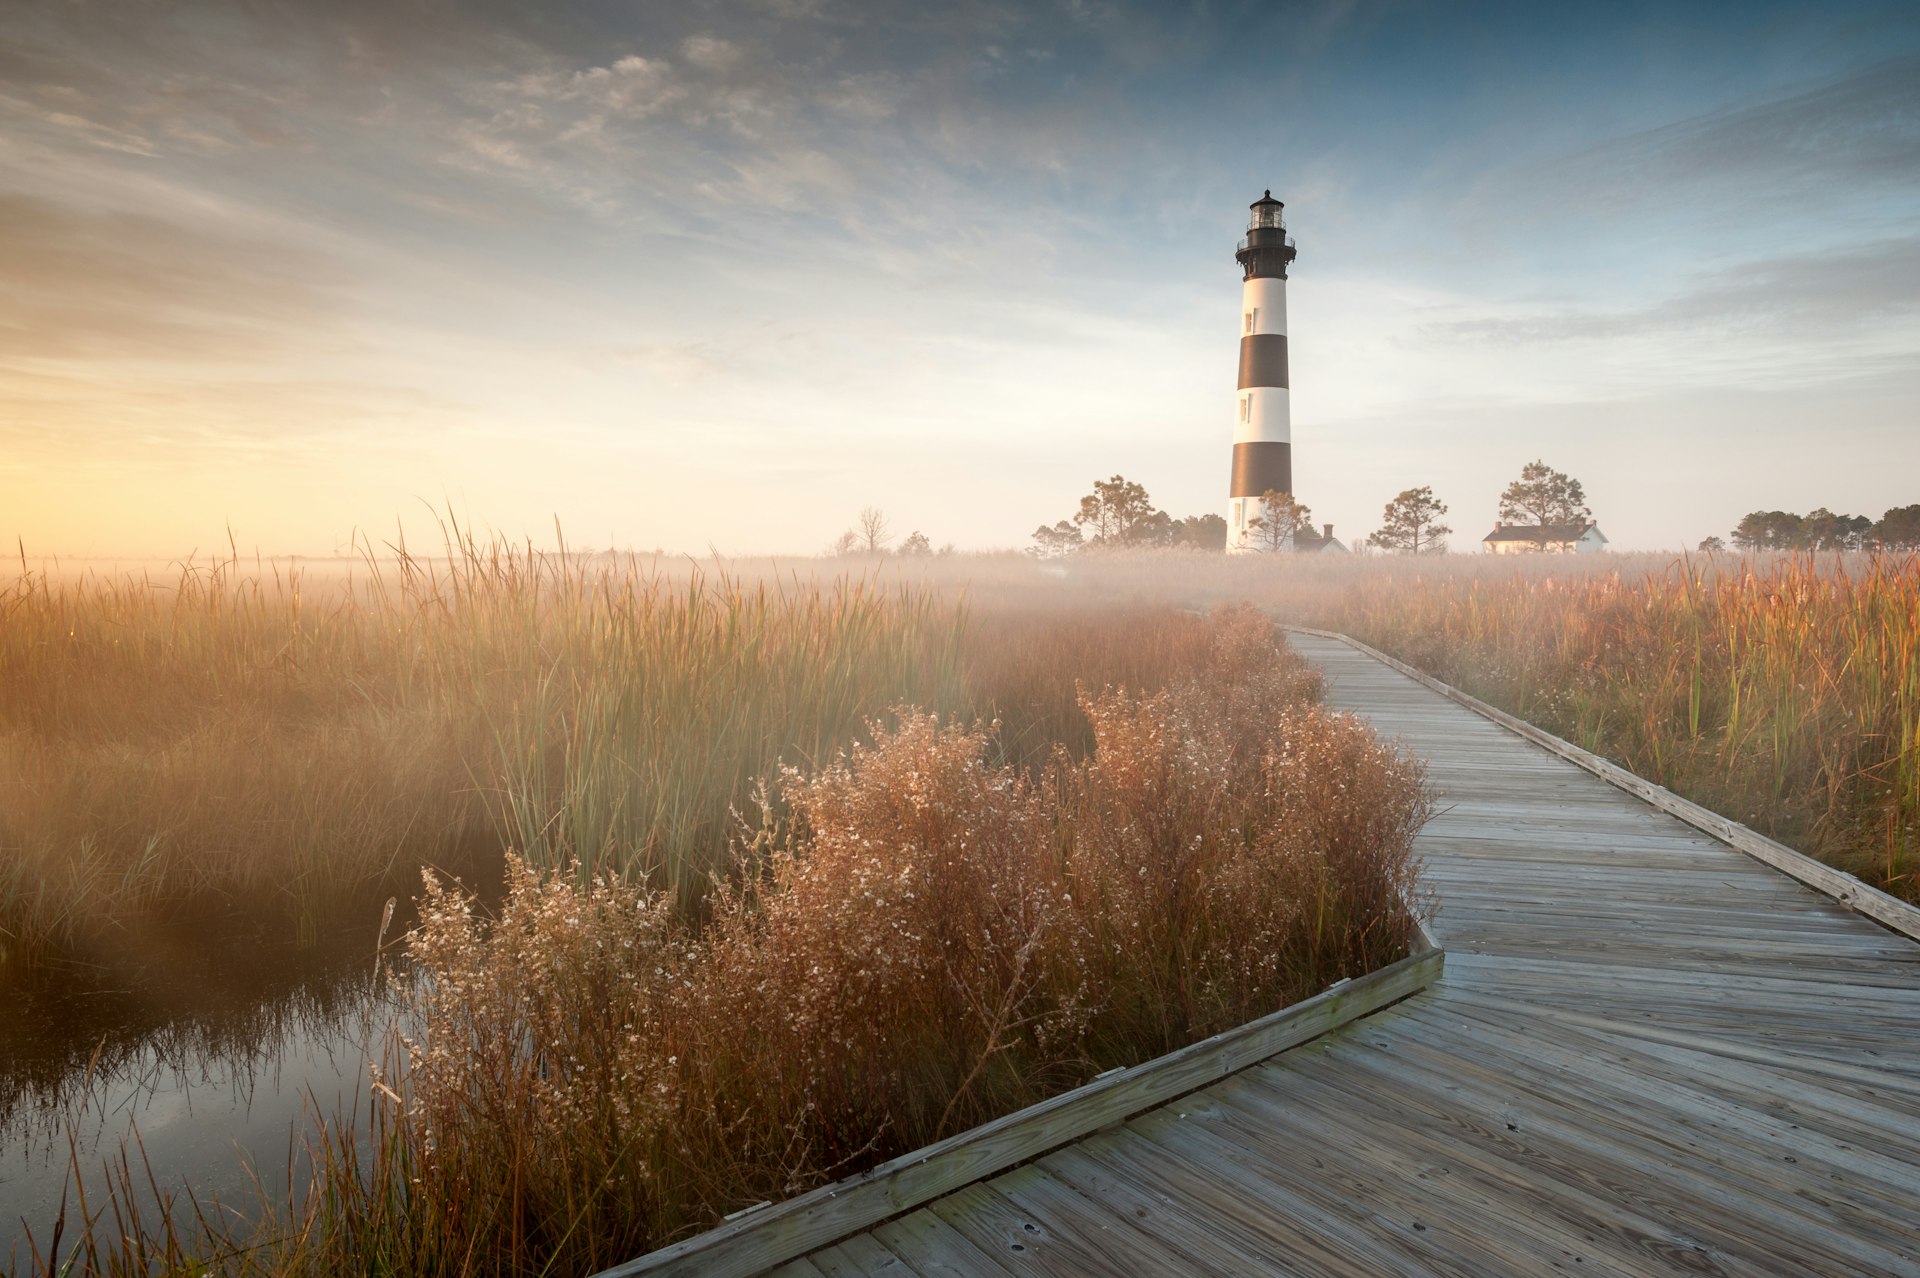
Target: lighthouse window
column 1249, row 318
column 1246, row 408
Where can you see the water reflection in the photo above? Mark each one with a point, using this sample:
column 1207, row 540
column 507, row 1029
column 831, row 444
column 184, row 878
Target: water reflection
column 213, row 1058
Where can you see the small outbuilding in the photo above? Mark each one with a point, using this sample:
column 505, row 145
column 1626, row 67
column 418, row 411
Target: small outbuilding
column 1566, row 539
column 1306, row 541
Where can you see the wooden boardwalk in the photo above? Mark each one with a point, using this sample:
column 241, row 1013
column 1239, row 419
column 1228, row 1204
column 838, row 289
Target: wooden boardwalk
column 1649, row 1054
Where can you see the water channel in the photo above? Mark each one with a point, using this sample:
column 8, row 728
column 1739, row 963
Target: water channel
column 202, row 1060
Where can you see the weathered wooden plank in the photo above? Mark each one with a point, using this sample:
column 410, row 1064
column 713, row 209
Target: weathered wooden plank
column 861, row 1256
column 1725, row 1190
column 936, row 1249
column 1233, row 1181
column 1127, row 1244
column 1399, row 1218
column 798, row 1268
column 1157, row 1214
column 762, row 1239
column 1026, row 1245
column 1257, row 1219
column 1532, row 1226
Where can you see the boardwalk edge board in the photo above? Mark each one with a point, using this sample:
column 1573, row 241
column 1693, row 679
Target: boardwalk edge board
column 764, row 1238
column 1887, row 910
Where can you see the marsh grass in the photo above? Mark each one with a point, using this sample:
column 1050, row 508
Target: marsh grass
column 242, row 745
column 918, row 934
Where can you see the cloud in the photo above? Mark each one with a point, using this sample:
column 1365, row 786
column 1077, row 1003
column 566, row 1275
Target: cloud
column 1813, row 143
column 710, row 53
column 1811, row 297
column 122, row 285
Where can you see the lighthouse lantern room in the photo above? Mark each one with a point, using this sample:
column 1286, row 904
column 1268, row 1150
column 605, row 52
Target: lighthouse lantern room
column 1262, row 437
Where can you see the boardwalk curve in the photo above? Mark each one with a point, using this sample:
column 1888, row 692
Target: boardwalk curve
column 1649, row 1053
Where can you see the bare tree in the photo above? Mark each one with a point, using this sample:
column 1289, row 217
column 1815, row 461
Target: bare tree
column 846, row 543
column 916, row 546
column 874, row 532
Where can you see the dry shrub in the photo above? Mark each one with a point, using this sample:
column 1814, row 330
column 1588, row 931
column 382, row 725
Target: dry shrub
column 1233, row 847
column 921, row 938
column 1024, row 663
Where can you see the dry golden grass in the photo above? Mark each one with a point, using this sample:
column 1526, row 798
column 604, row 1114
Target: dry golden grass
column 286, row 750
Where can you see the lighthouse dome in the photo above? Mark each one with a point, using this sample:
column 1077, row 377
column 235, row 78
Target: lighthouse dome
column 1266, row 212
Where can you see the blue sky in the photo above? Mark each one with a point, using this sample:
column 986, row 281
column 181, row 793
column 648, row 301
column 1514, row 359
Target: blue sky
column 721, row 274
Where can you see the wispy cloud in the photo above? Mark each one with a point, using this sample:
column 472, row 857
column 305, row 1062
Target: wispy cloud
column 84, row 286
column 1795, row 299
column 1811, row 146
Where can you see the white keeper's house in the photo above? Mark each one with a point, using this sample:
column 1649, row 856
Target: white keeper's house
column 1566, row 539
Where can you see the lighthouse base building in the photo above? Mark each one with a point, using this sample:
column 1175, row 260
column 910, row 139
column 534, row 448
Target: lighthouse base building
column 1262, row 435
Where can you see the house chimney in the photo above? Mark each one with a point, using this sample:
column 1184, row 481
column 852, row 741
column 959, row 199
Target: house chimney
column 1329, row 528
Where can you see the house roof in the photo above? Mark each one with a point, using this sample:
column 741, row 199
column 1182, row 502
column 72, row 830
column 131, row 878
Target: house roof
column 1312, row 542
column 1534, row 532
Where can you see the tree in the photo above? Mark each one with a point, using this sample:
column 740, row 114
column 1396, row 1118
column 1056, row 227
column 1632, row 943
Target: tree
column 1051, row 543
column 1899, row 528
column 1200, row 532
column 1279, row 518
column 1712, row 544
column 1118, row 513
column 1770, row 530
column 1412, row 523
column 1828, row 531
column 916, row 546
column 1543, row 497
column 874, row 532
column 845, row 544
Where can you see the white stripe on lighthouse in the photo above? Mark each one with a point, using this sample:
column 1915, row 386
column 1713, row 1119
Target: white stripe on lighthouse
column 1264, row 416
column 1265, row 299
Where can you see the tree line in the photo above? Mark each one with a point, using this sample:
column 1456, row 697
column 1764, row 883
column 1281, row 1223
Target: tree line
column 1118, row 515
column 1822, row 529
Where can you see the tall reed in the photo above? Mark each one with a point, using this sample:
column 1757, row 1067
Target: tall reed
column 268, row 743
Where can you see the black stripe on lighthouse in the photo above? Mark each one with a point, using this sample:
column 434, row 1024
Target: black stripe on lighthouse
column 1260, row 468
column 1263, row 360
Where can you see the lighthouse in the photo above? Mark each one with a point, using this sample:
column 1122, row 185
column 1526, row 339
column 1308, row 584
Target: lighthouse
column 1262, row 437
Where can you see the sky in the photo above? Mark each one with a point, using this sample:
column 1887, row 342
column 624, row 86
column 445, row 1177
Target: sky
column 716, row 275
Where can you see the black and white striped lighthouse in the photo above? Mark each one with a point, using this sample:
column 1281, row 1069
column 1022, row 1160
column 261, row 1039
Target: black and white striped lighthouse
column 1262, row 437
